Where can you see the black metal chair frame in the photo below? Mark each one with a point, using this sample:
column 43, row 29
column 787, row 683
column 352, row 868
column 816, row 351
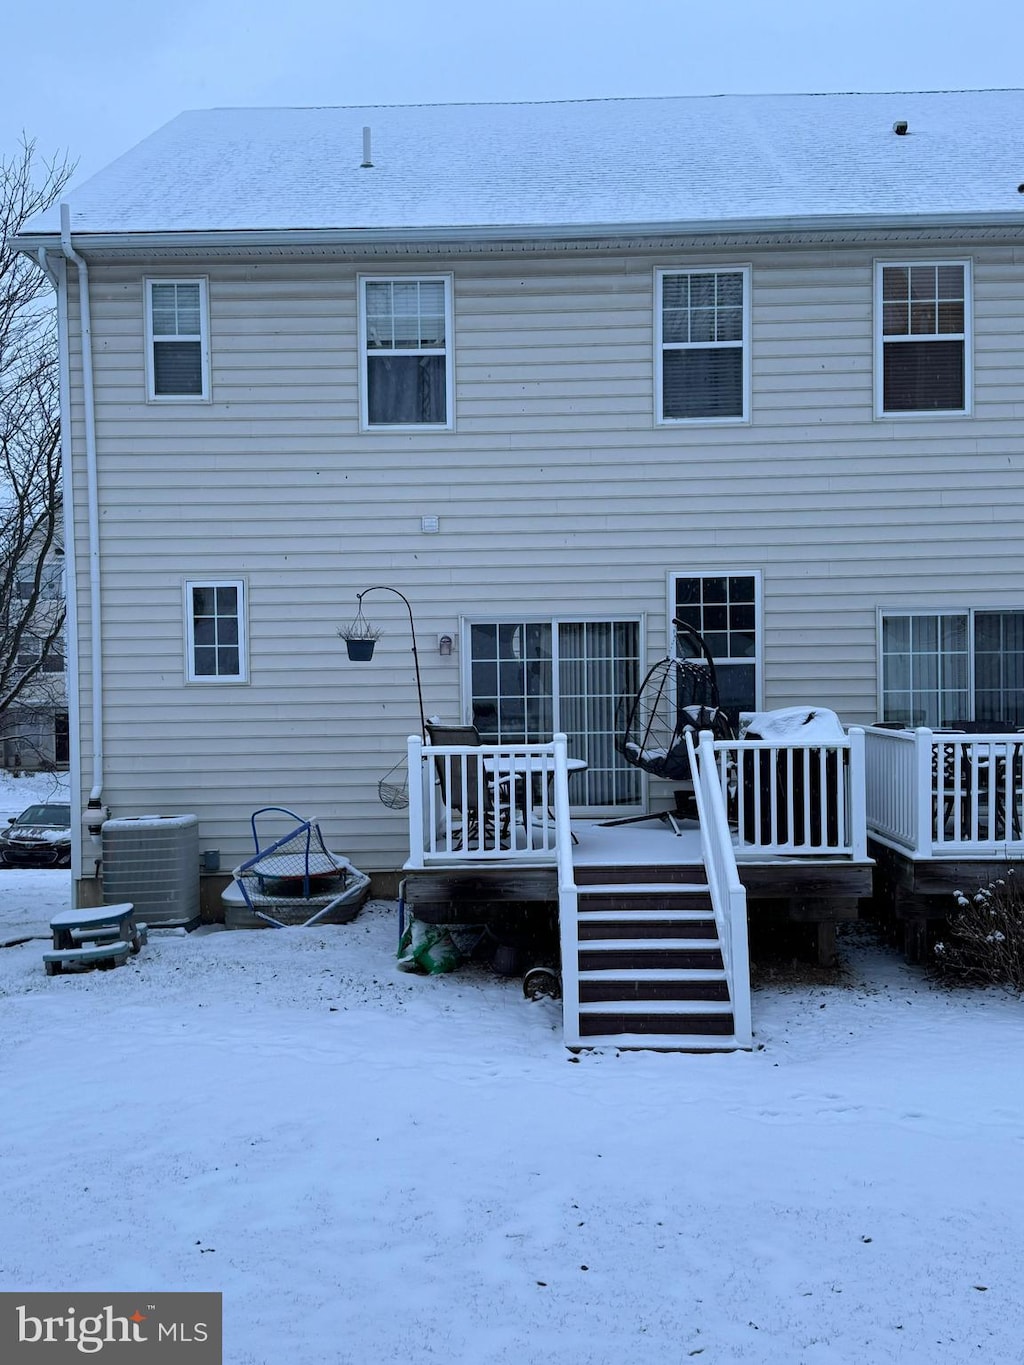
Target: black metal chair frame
column 463, row 783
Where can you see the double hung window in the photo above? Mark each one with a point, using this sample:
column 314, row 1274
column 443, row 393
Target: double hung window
column 177, row 340
column 922, row 337
column 939, row 668
column 215, row 631
column 702, row 340
column 405, row 329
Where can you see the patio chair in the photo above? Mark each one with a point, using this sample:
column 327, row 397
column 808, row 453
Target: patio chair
column 462, row 786
column 990, row 789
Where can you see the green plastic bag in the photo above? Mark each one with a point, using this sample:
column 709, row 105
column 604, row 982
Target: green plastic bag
column 427, row 948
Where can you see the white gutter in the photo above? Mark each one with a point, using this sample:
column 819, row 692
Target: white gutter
column 533, row 234
column 89, row 405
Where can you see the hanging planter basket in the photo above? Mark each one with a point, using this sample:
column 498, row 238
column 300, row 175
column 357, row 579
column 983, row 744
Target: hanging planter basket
column 359, row 651
column 360, row 638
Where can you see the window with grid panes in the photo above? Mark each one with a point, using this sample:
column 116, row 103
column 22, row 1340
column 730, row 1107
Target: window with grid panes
column 723, row 608
column 923, row 321
column 215, row 622
column 405, row 327
column 176, row 326
column 942, row 668
column 532, row 679
column 702, row 344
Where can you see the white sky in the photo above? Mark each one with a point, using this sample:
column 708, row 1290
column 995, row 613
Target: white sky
column 96, row 79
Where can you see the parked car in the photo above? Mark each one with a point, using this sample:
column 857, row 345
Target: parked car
column 40, row 836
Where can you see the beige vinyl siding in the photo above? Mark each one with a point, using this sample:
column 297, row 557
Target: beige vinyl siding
column 557, row 495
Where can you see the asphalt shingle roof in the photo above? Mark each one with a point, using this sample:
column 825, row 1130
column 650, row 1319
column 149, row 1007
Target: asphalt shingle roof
column 620, row 162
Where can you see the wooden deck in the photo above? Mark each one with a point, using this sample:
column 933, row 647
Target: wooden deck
column 945, row 813
column 818, row 891
column 913, row 898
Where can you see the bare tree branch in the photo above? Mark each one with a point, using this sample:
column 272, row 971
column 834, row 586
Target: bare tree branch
column 31, row 612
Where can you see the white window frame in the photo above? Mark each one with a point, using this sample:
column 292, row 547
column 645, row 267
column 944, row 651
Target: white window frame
column 660, row 345
column 732, row 572
column 448, row 351
column 216, row 680
column 970, row 613
column 203, row 338
column 967, row 337
column 555, row 622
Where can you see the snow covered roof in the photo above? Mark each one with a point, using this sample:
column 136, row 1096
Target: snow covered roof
column 616, row 163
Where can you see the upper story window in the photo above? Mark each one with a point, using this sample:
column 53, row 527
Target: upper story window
column 405, row 329
column 702, row 339
column 215, row 626
column 922, row 338
column 31, row 653
column 51, row 584
column 177, row 340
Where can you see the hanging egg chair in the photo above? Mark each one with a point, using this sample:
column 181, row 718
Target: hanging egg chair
column 679, row 694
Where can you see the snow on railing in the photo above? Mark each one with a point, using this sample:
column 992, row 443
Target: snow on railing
column 933, row 793
column 728, row 897
column 796, row 798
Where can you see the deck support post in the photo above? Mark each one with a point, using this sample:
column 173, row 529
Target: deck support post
column 827, row 955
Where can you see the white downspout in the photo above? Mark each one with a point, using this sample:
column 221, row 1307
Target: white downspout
column 94, row 813
column 58, row 276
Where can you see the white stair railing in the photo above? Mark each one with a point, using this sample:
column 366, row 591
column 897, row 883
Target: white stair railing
column 568, row 899
column 728, row 896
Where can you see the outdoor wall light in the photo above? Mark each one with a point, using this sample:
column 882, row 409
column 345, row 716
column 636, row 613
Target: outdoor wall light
column 444, row 646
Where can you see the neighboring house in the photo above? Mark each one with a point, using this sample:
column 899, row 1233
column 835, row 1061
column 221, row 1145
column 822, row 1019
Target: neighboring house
column 34, row 731
column 557, row 372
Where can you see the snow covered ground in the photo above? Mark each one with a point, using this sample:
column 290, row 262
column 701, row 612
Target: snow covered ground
column 375, row 1167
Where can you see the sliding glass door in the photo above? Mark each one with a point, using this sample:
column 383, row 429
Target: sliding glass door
column 531, row 679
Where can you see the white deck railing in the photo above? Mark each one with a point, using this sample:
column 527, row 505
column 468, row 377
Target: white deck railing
column 509, row 791
column 933, row 794
column 781, row 799
column 728, row 896
column 795, row 799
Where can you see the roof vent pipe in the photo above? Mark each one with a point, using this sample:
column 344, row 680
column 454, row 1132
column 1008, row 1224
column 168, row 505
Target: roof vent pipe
column 366, row 148
column 900, row 127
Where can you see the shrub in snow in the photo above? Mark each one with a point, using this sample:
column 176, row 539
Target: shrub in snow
column 985, row 943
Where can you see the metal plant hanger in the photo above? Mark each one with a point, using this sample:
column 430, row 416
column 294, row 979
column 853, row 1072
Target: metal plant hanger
column 360, row 638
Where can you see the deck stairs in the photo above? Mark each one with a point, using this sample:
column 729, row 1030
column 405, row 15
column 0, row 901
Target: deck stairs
column 651, row 972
